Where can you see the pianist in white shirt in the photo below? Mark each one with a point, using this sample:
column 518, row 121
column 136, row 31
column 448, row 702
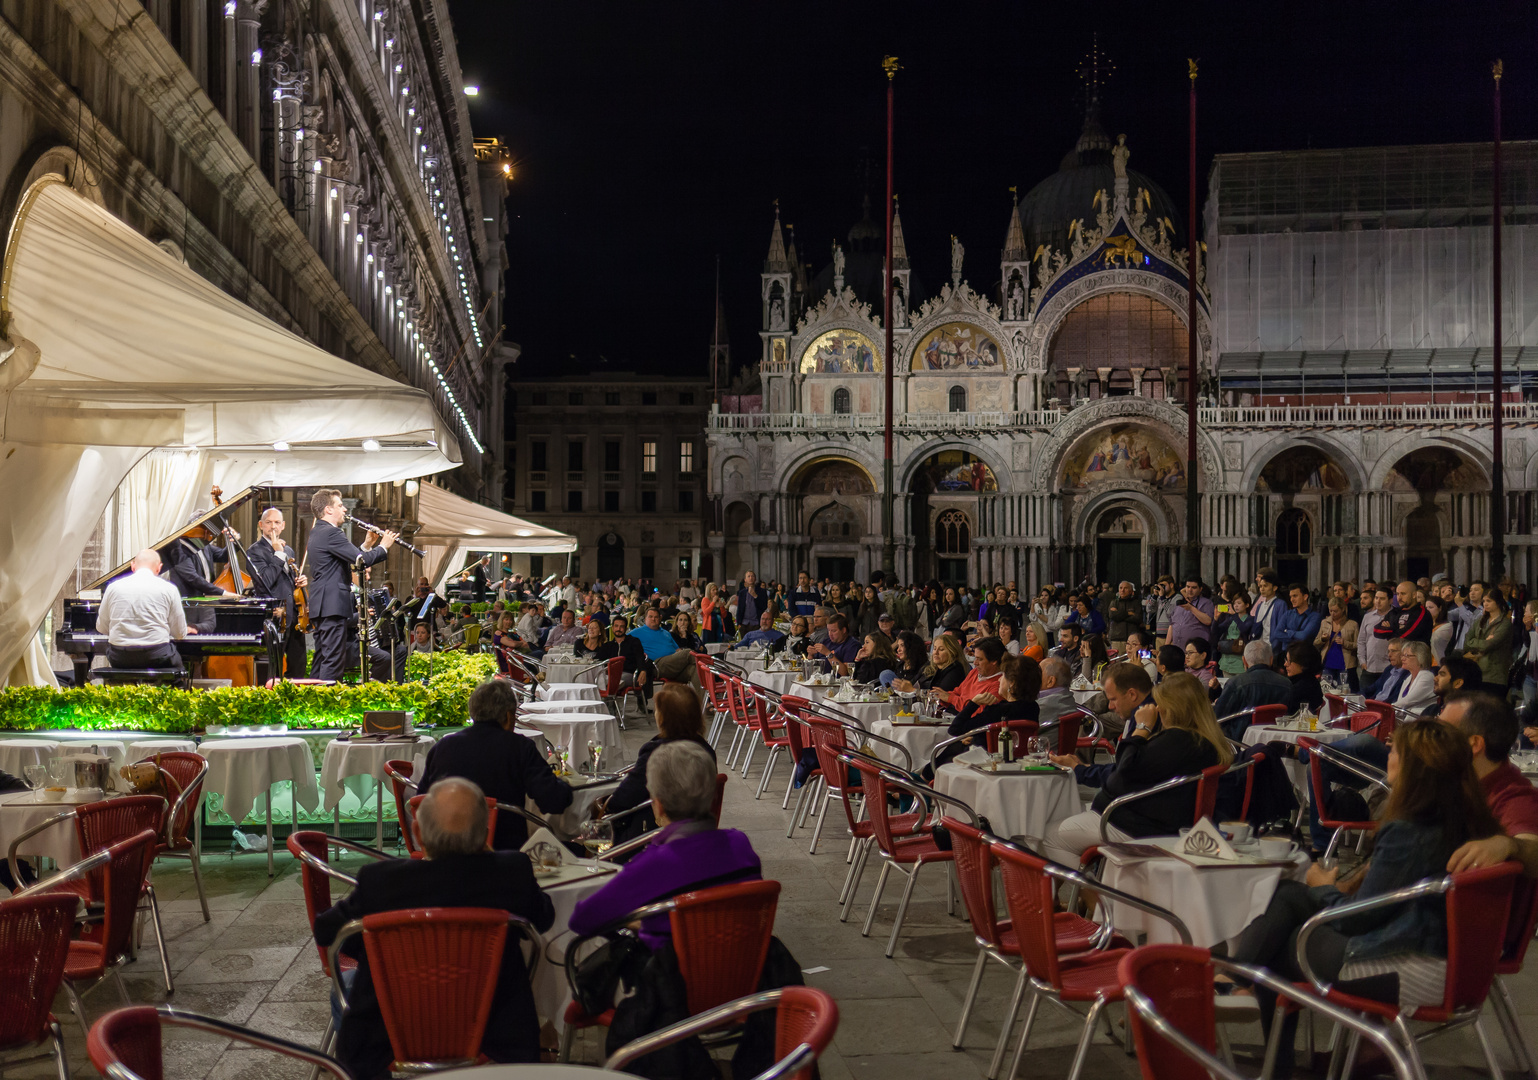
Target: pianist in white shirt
column 141, row 614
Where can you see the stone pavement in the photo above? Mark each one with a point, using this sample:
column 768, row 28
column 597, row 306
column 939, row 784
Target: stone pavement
column 255, row 964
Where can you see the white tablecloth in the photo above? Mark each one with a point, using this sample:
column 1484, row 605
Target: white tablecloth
column 571, row 731
column 809, row 691
column 864, row 713
column 1258, row 734
column 17, row 754
column 569, row 692
column 535, row 707
column 365, row 762
column 1014, row 804
column 581, row 808
column 571, row 673
column 1215, row 903
column 917, row 739
column 20, row 810
column 748, row 660
column 778, row 681
column 551, row 994
column 242, row 769
column 716, row 648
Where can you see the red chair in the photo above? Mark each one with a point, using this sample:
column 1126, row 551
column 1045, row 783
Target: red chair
column 183, row 774
column 1478, row 910
column 1319, row 789
column 34, row 942
column 1519, row 935
column 1206, row 801
column 908, row 845
column 400, row 774
column 770, row 723
column 996, row 938
column 1173, row 1016
column 129, row 1042
column 1023, row 729
column 435, row 973
column 1388, row 717
column 615, row 696
column 805, row 1023
column 798, row 732
column 720, row 935
column 1030, row 886
column 737, row 709
column 714, row 685
column 124, row 876
column 1067, row 727
column 715, row 804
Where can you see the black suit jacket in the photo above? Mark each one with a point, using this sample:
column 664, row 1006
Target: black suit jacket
column 270, row 575
column 505, row 765
column 500, row 879
column 182, row 566
column 331, row 560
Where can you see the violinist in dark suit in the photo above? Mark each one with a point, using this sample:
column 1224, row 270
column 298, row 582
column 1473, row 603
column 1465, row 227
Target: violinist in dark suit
column 458, row 872
column 275, row 574
column 332, row 558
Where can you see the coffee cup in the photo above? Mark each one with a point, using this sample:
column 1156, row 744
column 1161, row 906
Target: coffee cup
column 1275, row 847
column 1238, row 831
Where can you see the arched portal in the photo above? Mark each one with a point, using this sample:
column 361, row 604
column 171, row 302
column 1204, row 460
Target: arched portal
column 1119, row 546
column 611, row 556
column 946, row 480
column 953, row 546
column 1443, row 497
column 835, row 537
column 738, row 555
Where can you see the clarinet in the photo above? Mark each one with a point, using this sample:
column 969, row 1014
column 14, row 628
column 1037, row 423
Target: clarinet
column 366, row 527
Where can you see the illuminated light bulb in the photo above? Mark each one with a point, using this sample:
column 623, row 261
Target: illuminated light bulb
column 317, row 166
column 280, row 446
column 346, row 216
column 359, row 239
column 256, row 57
column 371, row 446
column 472, row 91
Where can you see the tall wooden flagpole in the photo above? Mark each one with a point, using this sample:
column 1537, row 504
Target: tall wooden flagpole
column 1192, row 552
column 1497, row 396
column 888, row 496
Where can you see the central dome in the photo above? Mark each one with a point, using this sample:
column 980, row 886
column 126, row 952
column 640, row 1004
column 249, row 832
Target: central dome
column 1068, row 194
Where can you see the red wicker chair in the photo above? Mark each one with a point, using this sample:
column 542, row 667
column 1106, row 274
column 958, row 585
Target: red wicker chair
column 721, row 936
column 130, row 1041
column 435, row 973
column 34, row 942
column 125, row 875
column 183, row 773
column 400, row 774
column 1519, row 935
column 804, row 1026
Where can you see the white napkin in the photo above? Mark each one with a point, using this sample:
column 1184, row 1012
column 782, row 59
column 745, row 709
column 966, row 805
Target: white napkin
column 1205, row 840
column 977, row 755
column 548, row 837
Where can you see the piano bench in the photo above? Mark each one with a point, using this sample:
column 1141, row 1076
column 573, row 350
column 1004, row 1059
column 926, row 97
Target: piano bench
column 111, row 676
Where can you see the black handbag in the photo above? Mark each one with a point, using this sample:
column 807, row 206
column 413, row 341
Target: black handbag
column 599, row 974
column 942, row 835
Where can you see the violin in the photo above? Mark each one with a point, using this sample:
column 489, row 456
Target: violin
column 301, row 598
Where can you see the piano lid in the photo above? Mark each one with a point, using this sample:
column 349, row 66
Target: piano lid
column 224, row 507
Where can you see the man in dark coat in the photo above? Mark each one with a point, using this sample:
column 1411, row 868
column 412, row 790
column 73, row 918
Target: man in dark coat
column 1259, row 685
column 332, row 559
column 458, row 872
column 506, row 765
column 271, row 575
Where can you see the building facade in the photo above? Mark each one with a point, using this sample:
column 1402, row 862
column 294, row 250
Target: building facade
column 1344, row 334
column 617, row 461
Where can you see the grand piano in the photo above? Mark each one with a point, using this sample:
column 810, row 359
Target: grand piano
column 243, row 627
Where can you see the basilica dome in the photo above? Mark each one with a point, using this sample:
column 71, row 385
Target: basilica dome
column 1068, row 194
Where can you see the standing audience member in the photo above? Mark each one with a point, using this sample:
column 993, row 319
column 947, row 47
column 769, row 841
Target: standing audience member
column 1192, row 616
column 1371, row 647
column 1298, row 623
column 1489, row 642
column 1336, row 642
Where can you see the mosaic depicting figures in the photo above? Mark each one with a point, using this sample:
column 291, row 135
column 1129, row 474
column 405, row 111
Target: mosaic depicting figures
column 1125, row 453
column 956, row 346
column 957, row 470
column 840, row 352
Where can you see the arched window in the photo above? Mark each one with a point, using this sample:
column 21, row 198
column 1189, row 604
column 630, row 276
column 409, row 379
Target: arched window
column 1294, row 535
column 841, row 400
column 953, row 534
column 835, row 522
column 958, row 399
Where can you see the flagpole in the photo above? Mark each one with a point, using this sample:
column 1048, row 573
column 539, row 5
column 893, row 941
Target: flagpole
column 1192, row 560
column 888, row 542
column 1497, row 397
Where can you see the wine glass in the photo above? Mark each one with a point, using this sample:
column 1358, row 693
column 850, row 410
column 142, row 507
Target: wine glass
column 597, row 835
column 595, row 753
column 35, row 776
column 1039, row 747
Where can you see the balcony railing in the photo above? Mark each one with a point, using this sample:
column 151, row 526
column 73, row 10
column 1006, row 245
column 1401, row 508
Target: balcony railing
column 1257, row 416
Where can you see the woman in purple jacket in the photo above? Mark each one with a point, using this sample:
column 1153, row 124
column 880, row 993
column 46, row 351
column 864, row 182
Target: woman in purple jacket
column 689, row 853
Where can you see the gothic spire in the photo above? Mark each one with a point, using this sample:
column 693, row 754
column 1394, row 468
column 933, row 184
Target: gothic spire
column 899, row 247
column 1014, row 237
column 775, row 263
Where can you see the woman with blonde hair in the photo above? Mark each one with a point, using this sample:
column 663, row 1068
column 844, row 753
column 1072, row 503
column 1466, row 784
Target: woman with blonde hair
column 1035, row 641
column 945, row 670
column 712, row 626
column 1176, row 734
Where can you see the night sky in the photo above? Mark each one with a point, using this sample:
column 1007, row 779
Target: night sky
column 652, row 138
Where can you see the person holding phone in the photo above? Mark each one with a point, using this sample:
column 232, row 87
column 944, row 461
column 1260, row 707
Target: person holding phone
column 1192, row 616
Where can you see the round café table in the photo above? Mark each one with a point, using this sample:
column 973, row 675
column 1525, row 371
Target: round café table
column 536, row 707
column 1259, row 734
column 551, row 993
column 20, row 811
column 569, row 692
column 1015, row 804
column 579, row 671
column 571, row 732
column 864, row 713
column 17, row 754
column 552, row 1071
column 362, row 761
column 778, row 681
column 240, row 769
column 918, row 739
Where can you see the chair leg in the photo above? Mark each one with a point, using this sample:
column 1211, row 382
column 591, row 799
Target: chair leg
column 731, row 751
column 902, row 909
column 326, row 1039
column 160, row 940
column 747, row 762
column 822, row 817
column 60, row 1060
column 1025, row 1032
column 1082, row 1052
column 790, row 830
column 819, row 792
column 1329, row 850
column 790, row 786
column 1410, row 1046
column 875, row 900
column 77, row 1007
column 1489, row 1048
column 849, row 875
column 1009, row 1021
column 568, row 1036
column 856, row 872
column 1353, row 1044
column 197, row 876
column 1274, row 1041
column 763, row 781
column 966, row 1006
column 1511, row 1027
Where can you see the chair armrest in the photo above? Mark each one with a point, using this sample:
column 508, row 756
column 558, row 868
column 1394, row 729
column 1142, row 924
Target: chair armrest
column 899, row 747
column 69, row 873
column 529, row 816
column 178, row 1018
column 322, row 866
column 798, row 1059
column 934, row 753
column 399, row 777
column 621, row 815
column 1250, row 712
column 601, row 665
column 41, row 826
column 338, row 842
column 1351, row 765
column 1133, row 796
column 1428, row 887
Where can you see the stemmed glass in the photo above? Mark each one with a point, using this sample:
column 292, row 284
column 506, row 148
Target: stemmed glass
column 595, row 753
column 597, row 835
column 35, row 775
column 1039, row 747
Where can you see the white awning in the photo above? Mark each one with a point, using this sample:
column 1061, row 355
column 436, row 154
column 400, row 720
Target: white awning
column 452, row 527
column 113, row 349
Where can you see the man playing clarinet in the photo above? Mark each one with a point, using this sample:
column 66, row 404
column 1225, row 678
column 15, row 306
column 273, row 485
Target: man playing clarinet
column 332, row 560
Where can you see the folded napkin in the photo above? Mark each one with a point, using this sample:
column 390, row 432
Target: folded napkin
column 548, row 837
column 977, row 755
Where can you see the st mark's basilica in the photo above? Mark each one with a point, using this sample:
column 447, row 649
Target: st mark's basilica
column 1344, row 332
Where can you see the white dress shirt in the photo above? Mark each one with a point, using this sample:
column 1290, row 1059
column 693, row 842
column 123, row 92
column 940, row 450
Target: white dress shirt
column 141, row 610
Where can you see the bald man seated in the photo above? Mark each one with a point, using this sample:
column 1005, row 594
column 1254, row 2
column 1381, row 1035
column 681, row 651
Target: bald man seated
column 141, row 614
column 459, row 871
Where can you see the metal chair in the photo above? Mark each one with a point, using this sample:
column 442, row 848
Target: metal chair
column 435, row 974
column 126, row 1043
column 1478, row 909
column 615, row 696
column 1030, row 885
column 805, row 1023
column 183, row 774
column 34, row 943
column 720, row 935
column 1172, row 1012
column 1519, row 935
column 400, row 774
column 1319, row 789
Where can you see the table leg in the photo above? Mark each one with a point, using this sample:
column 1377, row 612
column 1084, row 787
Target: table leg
column 294, row 804
column 378, row 815
column 269, row 830
column 336, row 820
